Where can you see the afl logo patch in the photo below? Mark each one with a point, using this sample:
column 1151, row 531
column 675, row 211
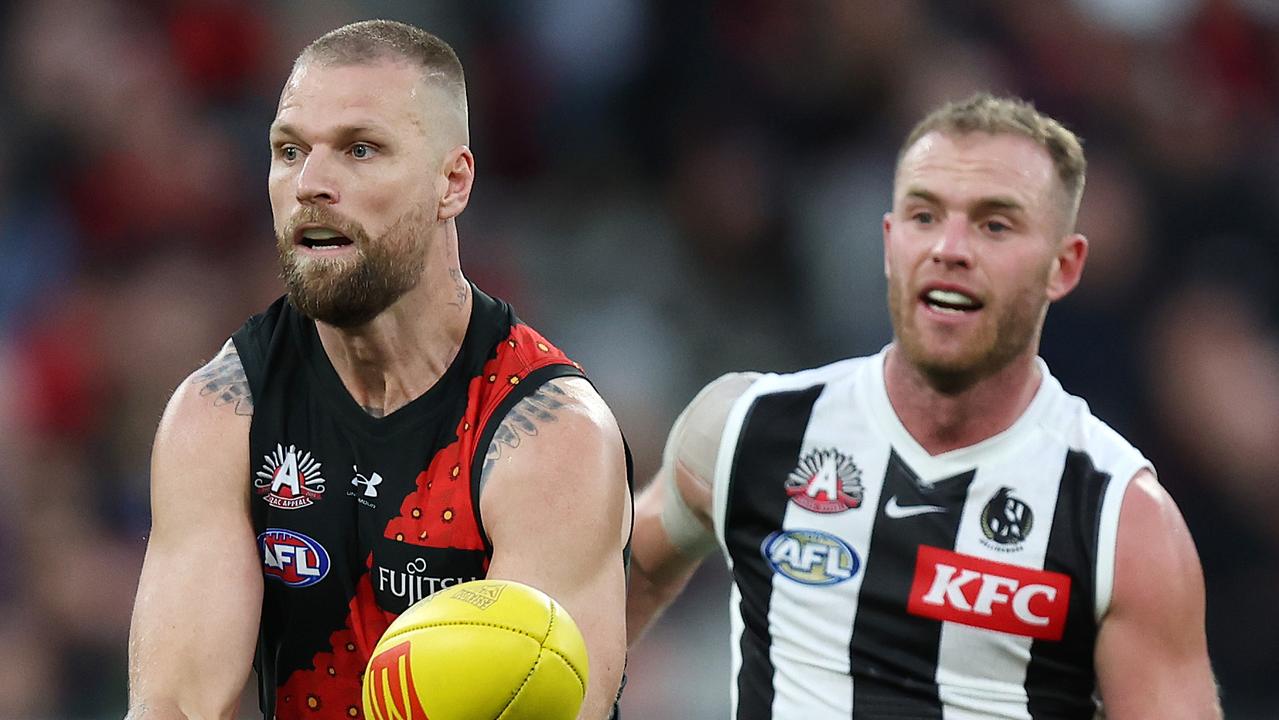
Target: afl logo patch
column 1006, row 521
column 810, row 557
column 825, row 481
column 292, row 558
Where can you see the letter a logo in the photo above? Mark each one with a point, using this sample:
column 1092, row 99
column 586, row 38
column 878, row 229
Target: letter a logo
column 287, row 476
column 389, row 693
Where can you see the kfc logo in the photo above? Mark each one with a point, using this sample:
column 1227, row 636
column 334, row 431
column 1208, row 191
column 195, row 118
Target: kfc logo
column 987, row 594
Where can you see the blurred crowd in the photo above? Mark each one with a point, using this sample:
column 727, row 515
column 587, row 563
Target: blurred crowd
column 670, row 189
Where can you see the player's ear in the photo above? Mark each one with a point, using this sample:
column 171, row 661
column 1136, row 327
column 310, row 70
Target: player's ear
column 1067, row 266
column 459, row 175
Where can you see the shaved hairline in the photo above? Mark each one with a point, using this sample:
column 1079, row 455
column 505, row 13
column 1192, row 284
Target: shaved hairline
column 374, row 42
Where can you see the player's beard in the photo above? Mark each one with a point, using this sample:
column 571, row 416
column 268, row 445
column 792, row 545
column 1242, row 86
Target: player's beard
column 351, row 290
column 1008, row 330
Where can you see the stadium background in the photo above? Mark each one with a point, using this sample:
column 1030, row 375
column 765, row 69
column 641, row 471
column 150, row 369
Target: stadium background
column 669, row 189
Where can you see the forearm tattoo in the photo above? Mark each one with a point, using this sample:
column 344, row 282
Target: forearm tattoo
column 224, row 380
column 523, row 421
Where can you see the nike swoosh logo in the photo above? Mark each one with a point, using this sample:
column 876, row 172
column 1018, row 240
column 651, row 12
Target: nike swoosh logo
column 897, row 512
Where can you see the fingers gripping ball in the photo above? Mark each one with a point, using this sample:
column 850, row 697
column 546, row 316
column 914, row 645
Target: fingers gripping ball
column 482, row 650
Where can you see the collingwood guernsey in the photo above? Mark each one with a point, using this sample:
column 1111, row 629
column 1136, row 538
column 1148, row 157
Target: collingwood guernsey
column 872, row 580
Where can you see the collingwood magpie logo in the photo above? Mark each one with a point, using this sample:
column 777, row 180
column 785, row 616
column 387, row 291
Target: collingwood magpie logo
column 1006, row 521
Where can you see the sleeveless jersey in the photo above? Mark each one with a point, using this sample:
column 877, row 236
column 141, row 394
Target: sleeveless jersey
column 359, row 517
column 872, row 580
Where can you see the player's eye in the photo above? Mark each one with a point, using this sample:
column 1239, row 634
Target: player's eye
column 996, row 227
column 923, row 217
column 362, row 151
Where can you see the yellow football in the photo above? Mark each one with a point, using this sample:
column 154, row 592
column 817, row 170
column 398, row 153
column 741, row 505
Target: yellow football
column 482, row 650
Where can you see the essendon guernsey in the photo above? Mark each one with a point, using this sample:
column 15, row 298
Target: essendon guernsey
column 358, row 517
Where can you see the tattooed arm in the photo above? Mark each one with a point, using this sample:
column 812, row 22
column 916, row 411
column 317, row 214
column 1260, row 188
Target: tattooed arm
column 196, row 614
column 556, row 506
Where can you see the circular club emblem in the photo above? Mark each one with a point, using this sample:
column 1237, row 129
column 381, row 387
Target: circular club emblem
column 292, row 558
column 810, row 557
column 1006, row 521
column 825, row 481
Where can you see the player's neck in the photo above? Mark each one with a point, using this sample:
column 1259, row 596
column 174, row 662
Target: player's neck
column 401, row 353
column 944, row 420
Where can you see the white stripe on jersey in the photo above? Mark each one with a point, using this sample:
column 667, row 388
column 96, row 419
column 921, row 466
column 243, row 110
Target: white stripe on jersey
column 815, row 623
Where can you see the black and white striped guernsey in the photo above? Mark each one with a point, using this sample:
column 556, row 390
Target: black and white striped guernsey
column 872, row 580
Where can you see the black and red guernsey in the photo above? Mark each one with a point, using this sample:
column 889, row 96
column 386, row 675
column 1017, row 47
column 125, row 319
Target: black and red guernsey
column 356, row 516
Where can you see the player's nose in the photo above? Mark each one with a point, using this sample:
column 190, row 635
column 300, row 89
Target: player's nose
column 954, row 244
column 316, row 182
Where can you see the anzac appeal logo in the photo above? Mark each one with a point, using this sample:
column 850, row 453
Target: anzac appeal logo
column 292, row 558
column 825, row 481
column 290, row 479
column 1006, row 521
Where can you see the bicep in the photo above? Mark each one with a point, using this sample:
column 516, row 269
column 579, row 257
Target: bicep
column 556, row 506
column 1152, row 654
column 199, row 596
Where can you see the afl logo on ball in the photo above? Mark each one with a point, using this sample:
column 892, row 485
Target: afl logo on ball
column 292, row 558
column 1006, row 521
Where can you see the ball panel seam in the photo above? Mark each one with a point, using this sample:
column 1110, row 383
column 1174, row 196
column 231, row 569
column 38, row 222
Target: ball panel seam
column 515, row 695
column 568, row 662
column 457, row 623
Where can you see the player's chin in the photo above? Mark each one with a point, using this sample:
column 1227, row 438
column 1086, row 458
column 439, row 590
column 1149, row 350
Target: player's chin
column 946, row 357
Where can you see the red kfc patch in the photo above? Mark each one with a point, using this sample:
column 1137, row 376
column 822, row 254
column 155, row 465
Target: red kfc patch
column 988, row 594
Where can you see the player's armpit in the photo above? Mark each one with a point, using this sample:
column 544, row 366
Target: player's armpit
column 199, row 598
column 1152, row 652
column 673, row 525
column 556, row 506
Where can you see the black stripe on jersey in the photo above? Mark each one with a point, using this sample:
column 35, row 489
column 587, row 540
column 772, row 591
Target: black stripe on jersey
column 1060, row 676
column 767, row 450
column 893, row 654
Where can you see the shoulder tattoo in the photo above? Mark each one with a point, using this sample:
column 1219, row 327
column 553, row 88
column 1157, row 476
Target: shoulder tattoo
column 523, row 420
column 224, row 381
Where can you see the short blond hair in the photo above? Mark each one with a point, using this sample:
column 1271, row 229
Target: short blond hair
column 371, row 41
column 996, row 115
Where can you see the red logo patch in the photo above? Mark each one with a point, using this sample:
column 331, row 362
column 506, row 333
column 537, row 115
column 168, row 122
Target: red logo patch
column 988, row 594
column 825, row 481
column 390, row 694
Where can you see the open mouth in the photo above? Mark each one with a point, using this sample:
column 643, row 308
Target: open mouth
column 322, row 238
column 950, row 302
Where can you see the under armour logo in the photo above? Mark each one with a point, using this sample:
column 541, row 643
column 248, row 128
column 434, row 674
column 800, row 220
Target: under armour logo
column 370, row 483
